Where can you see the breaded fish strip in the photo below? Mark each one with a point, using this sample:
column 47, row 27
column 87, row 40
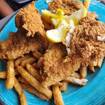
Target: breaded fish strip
column 88, row 41
column 56, row 68
column 30, row 21
column 17, row 45
column 86, row 38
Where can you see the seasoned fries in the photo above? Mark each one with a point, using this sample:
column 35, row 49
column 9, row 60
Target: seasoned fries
column 33, row 82
column 20, row 92
column 83, row 71
column 10, row 74
column 3, row 75
column 19, row 60
column 32, row 71
column 91, row 67
column 33, row 91
column 57, row 95
column 29, row 60
column 100, row 61
column 22, row 80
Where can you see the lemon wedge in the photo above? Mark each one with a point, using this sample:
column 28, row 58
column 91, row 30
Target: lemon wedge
column 59, row 34
column 63, row 24
column 47, row 13
column 55, row 18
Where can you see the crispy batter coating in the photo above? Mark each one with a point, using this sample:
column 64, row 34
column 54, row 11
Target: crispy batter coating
column 87, row 40
column 29, row 19
column 17, row 45
column 69, row 6
column 56, row 67
column 85, row 48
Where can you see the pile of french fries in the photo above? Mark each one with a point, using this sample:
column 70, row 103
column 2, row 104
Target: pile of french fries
column 21, row 74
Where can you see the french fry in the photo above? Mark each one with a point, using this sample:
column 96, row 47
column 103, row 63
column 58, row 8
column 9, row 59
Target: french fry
column 20, row 92
column 29, row 60
column 91, row 67
column 57, row 95
column 19, row 60
column 22, row 80
column 10, row 74
column 83, row 71
column 32, row 71
column 76, row 75
column 3, row 75
column 64, row 86
column 99, row 63
column 37, row 54
column 23, row 99
column 76, row 81
column 33, row 91
column 34, row 83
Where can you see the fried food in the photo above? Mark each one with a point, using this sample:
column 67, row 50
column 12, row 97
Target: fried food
column 17, row 45
column 57, row 95
column 100, row 61
column 68, row 6
column 34, row 83
column 3, row 74
column 33, row 71
column 34, row 92
column 29, row 60
column 83, row 71
column 20, row 92
column 55, row 67
column 37, row 54
column 20, row 59
column 10, row 74
column 29, row 20
column 84, row 40
column 63, row 86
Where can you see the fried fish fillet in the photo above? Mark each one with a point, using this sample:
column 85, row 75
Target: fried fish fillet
column 68, row 6
column 88, row 39
column 55, row 67
column 29, row 20
column 17, row 45
column 85, row 48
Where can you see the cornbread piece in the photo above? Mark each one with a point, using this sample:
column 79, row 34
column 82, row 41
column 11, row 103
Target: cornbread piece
column 68, row 6
column 29, row 20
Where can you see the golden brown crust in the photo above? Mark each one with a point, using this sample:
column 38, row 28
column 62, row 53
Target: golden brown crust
column 85, row 41
column 29, row 19
column 69, row 6
column 17, row 45
column 56, row 67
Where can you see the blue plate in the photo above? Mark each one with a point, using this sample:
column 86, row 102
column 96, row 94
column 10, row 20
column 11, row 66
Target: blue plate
column 91, row 94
